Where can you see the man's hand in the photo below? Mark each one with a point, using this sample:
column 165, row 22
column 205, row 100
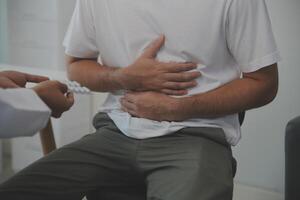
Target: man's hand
column 254, row 90
column 151, row 105
column 148, row 74
column 14, row 79
column 56, row 96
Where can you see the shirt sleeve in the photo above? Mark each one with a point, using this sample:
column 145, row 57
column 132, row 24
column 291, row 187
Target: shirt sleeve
column 249, row 35
column 23, row 113
column 80, row 39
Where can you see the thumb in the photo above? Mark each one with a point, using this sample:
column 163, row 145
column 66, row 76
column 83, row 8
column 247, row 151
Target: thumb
column 35, row 78
column 154, row 47
column 62, row 87
column 70, row 99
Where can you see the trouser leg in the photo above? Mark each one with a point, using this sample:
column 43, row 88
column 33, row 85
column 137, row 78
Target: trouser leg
column 99, row 160
column 137, row 192
column 193, row 164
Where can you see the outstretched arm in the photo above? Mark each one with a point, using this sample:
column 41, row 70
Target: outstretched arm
column 253, row 90
column 15, row 79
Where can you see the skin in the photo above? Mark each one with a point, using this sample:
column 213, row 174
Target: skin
column 53, row 93
column 145, row 74
column 253, row 90
column 14, row 79
column 151, row 86
column 56, row 96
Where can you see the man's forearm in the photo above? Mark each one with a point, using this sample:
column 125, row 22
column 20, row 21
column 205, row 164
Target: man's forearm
column 234, row 97
column 253, row 90
column 93, row 75
column 144, row 74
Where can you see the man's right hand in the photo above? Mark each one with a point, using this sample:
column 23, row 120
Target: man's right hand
column 148, row 74
column 56, row 96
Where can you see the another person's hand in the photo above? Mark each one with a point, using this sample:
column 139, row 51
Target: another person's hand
column 56, row 96
column 14, row 79
column 148, row 74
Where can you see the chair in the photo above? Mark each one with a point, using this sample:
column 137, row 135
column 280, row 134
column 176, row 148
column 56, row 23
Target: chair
column 292, row 161
column 234, row 162
column 47, row 139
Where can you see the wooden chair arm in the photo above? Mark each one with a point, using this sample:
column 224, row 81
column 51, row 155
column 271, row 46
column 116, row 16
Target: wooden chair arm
column 47, row 139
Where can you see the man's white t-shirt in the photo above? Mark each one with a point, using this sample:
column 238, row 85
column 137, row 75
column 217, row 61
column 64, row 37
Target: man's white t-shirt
column 226, row 37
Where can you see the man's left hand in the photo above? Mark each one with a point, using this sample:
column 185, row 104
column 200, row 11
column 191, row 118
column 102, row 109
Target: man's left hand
column 14, row 79
column 151, row 105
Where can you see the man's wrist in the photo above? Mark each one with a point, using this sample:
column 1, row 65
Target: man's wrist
column 177, row 109
column 182, row 108
column 116, row 76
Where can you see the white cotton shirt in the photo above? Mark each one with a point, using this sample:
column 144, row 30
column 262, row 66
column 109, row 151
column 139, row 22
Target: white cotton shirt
column 225, row 37
column 22, row 113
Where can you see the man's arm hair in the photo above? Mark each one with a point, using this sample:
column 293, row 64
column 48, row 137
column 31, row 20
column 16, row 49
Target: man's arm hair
column 90, row 73
column 254, row 90
column 144, row 74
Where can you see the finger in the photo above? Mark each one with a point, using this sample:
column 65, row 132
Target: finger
column 128, row 105
column 174, row 92
column 66, row 102
column 56, row 114
column 180, row 85
column 132, row 92
column 62, row 87
column 182, row 77
column 131, row 112
column 70, row 99
column 154, row 47
column 124, row 108
column 131, row 97
column 180, row 67
column 35, row 78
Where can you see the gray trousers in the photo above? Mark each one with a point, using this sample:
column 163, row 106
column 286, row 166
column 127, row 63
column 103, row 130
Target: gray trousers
column 191, row 164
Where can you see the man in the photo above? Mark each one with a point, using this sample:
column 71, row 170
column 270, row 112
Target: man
column 165, row 130
column 26, row 111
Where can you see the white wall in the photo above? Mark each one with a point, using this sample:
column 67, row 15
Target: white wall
column 2, row 49
column 65, row 9
column 32, row 28
column 260, row 154
column 3, row 29
column 36, row 30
